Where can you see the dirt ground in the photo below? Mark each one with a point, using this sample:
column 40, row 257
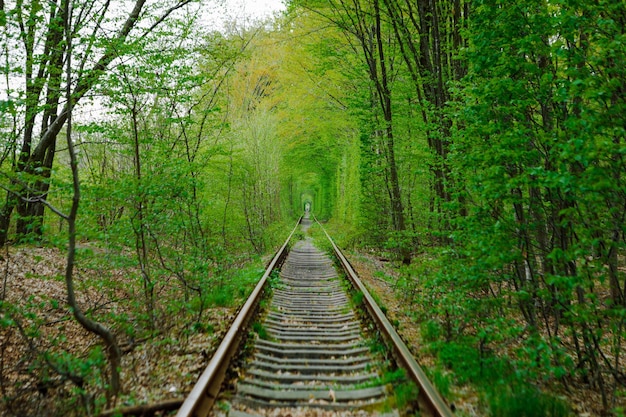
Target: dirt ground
column 39, row 336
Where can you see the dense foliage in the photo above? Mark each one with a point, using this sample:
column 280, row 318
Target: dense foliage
column 478, row 144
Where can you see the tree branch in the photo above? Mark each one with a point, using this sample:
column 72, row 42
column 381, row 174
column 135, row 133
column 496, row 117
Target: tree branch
column 38, row 199
column 86, row 82
column 144, row 409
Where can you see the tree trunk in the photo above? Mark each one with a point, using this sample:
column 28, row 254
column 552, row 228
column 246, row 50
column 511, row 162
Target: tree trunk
column 384, row 92
column 28, row 195
column 431, row 62
column 112, row 348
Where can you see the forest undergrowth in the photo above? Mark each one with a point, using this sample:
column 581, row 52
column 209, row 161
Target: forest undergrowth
column 479, row 378
column 51, row 366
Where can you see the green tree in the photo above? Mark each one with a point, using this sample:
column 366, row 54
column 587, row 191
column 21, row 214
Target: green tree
column 430, row 37
column 372, row 39
column 541, row 155
column 34, row 30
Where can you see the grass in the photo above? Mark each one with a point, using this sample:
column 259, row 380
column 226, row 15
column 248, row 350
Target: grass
column 237, row 285
column 357, row 298
column 273, row 280
column 504, row 393
column 524, row 401
column 261, row 331
column 321, row 241
column 404, row 391
column 441, row 380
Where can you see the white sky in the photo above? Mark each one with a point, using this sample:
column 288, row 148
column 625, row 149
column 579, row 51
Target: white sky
column 258, row 8
column 244, row 11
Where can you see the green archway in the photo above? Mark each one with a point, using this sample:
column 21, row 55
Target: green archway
column 313, row 189
column 307, row 201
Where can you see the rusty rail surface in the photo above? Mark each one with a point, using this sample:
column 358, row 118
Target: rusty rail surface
column 430, row 401
column 201, row 398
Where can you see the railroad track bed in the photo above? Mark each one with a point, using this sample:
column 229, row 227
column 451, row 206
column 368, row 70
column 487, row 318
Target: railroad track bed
column 309, row 356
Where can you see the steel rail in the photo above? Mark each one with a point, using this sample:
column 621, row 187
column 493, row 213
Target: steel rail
column 429, row 399
column 201, row 398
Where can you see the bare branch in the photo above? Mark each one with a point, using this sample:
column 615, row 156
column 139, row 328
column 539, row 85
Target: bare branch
column 164, row 16
column 37, row 199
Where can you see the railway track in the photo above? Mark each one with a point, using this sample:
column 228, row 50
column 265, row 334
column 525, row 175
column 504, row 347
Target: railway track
column 310, row 353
